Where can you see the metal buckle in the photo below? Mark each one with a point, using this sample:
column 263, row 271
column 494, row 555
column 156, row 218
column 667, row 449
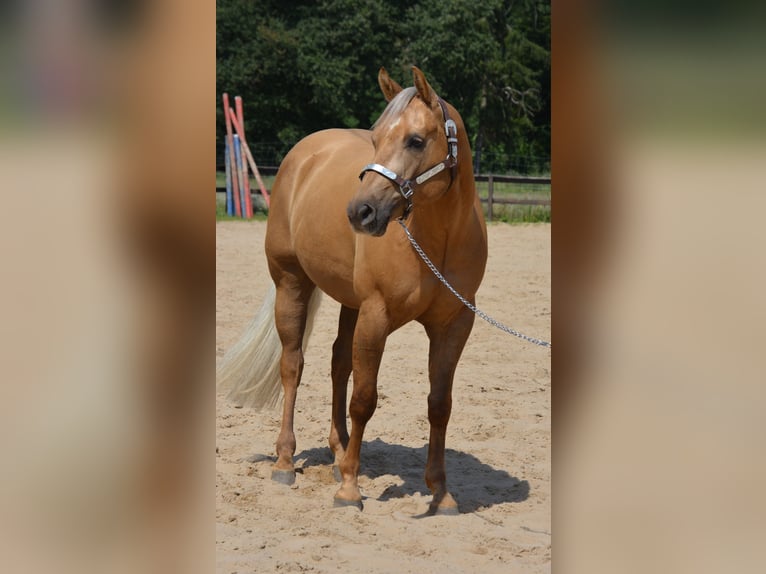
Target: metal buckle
column 406, row 189
column 406, row 212
column 450, row 129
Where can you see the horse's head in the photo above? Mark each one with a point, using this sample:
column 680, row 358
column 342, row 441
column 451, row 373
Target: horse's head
column 415, row 143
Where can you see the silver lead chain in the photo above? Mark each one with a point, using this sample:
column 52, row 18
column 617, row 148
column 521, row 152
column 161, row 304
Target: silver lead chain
column 462, row 299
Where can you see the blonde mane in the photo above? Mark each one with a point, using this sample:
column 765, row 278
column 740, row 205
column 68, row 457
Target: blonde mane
column 397, row 105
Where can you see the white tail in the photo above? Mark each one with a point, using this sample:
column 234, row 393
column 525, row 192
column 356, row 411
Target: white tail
column 250, row 369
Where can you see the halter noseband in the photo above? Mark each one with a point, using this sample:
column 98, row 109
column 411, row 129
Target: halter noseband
column 407, row 186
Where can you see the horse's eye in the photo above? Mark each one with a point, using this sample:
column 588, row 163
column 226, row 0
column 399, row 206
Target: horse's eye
column 416, row 142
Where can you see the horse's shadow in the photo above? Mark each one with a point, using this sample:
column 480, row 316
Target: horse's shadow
column 474, row 484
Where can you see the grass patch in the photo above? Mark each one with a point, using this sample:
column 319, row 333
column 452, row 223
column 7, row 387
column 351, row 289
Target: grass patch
column 515, row 190
column 521, row 213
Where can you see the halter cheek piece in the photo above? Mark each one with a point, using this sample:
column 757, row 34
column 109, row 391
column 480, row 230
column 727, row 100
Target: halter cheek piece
column 407, row 186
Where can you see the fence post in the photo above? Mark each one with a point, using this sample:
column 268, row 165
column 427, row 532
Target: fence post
column 490, row 191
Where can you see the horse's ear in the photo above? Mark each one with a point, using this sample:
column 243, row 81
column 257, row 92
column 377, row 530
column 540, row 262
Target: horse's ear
column 388, row 86
column 425, row 91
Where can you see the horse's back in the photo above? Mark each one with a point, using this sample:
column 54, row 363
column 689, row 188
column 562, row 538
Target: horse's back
column 307, row 215
column 321, row 161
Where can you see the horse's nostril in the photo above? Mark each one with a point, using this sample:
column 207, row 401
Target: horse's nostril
column 366, row 214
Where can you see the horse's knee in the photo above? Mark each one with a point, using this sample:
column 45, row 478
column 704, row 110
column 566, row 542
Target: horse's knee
column 362, row 405
column 439, row 407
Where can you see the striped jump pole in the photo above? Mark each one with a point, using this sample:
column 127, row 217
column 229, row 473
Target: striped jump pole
column 250, row 159
column 229, row 197
column 248, row 205
column 240, row 173
column 232, row 159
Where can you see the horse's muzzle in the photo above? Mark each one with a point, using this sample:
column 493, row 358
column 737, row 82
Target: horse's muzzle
column 366, row 218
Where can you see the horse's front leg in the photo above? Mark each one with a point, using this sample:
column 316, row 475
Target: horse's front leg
column 370, row 334
column 446, row 346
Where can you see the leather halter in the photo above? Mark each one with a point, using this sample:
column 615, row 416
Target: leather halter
column 407, row 186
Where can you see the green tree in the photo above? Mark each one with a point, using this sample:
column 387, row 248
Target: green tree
column 342, row 45
column 301, row 66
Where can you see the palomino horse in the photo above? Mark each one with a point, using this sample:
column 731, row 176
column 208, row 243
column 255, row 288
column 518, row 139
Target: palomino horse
column 415, row 163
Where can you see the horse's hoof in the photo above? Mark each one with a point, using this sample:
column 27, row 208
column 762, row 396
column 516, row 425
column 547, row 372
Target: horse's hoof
column 286, row 477
column 443, row 505
column 445, row 511
column 343, row 503
column 336, row 473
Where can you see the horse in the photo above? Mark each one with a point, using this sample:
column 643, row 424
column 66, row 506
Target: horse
column 330, row 230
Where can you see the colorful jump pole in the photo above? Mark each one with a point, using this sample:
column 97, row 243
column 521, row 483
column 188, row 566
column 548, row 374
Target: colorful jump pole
column 232, row 159
column 253, row 166
column 229, row 198
column 248, row 205
column 240, row 173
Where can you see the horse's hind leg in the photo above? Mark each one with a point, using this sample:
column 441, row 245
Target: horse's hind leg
column 341, row 369
column 294, row 290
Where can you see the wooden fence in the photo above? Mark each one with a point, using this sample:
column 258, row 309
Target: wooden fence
column 490, row 179
column 491, row 200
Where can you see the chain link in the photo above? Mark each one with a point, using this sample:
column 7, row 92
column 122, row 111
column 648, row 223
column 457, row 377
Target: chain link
column 462, row 299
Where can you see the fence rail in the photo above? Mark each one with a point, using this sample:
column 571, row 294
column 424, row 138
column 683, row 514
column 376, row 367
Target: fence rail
column 491, row 200
column 489, row 179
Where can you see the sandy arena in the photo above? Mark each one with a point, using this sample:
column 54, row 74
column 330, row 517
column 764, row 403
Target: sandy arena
column 498, row 440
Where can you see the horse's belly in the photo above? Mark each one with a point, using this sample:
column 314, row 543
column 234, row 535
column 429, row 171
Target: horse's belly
column 330, row 267
column 324, row 241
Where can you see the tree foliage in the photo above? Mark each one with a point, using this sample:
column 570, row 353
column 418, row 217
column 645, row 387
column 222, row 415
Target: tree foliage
column 301, row 65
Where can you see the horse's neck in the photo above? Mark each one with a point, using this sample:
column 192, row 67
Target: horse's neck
column 448, row 218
